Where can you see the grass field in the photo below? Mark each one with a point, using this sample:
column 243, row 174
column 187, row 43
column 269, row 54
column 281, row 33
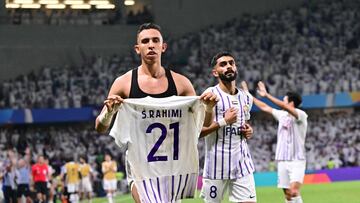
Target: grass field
column 340, row 192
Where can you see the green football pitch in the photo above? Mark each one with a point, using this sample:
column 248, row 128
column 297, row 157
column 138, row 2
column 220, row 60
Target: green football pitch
column 340, row 192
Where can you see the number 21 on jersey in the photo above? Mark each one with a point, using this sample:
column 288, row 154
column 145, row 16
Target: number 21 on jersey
column 173, row 126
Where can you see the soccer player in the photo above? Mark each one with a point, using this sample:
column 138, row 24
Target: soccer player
column 290, row 148
column 40, row 173
column 109, row 168
column 8, row 178
column 85, row 183
column 228, row 163
column 23, row 175
column 149, row 79
column 72, row 180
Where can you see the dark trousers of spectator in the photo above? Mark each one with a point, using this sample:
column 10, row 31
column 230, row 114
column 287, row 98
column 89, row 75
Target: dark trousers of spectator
column 9, row 195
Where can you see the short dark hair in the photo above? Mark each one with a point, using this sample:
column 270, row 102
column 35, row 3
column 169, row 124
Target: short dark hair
column 107, row 152
column 212, row 62
column 294, row 97
column 147, row 26
column 83, row 157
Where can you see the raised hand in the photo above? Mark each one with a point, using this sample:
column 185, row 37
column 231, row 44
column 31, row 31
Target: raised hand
column 244, row 86
column 261, row 89
column 113, row 103
column 209, row 99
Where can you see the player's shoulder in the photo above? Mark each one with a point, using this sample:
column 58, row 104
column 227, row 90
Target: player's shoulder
column 279, row 112
column 302, row 113
column 121, row 85
column 244, row 93
column 183, row 84
column 178, row 77
column 126, row 77
column 211, row 89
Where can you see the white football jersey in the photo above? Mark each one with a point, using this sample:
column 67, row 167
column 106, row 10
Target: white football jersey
column 227, row 154
column 291, row 135
column 161, row 135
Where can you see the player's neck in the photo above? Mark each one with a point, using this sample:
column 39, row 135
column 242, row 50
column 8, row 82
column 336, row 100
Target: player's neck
column 228, row 87
column 153, row 70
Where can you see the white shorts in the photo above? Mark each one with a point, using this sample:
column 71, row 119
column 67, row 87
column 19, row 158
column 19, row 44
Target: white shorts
column 72, row 187
column 110, row 184
column 290, row 171
column 85, row 184
column 240, row 190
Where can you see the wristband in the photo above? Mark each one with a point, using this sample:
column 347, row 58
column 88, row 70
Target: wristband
column 209, row 109
column 105, row 118
column 222, row 122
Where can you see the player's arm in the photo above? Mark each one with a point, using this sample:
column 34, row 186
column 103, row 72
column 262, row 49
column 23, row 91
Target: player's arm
column 262, row 91
column 64, row 174
column 112, row 103
column 261, row 105
column 31, row 182
column 229, row 118
column 183, row 85
column 185, row 88
column 209, row 99
column 104, row 168
column 92, row 174
column 114, row 167
column 49, row 175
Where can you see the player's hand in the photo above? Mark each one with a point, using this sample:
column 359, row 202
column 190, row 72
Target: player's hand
column 261, row 89
column 247, row 131
column 230, row 115
column 244, row 86
column 209, row 99
column 113, row 103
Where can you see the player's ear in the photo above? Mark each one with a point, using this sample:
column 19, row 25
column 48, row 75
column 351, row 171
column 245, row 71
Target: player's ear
column 137, row 49
column 164, row 47
column 215, row 73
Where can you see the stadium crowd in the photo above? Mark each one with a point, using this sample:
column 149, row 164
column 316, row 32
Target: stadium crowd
column 312, row 49
column 76, row 17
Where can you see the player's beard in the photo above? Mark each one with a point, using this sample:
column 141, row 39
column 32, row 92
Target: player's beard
column 228, row 77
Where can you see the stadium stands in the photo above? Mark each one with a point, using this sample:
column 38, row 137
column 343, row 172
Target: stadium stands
column 313, row 49
column 68, row 17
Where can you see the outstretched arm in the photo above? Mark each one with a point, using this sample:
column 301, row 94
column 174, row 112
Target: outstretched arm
column 262, row 91
column 262, row 106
